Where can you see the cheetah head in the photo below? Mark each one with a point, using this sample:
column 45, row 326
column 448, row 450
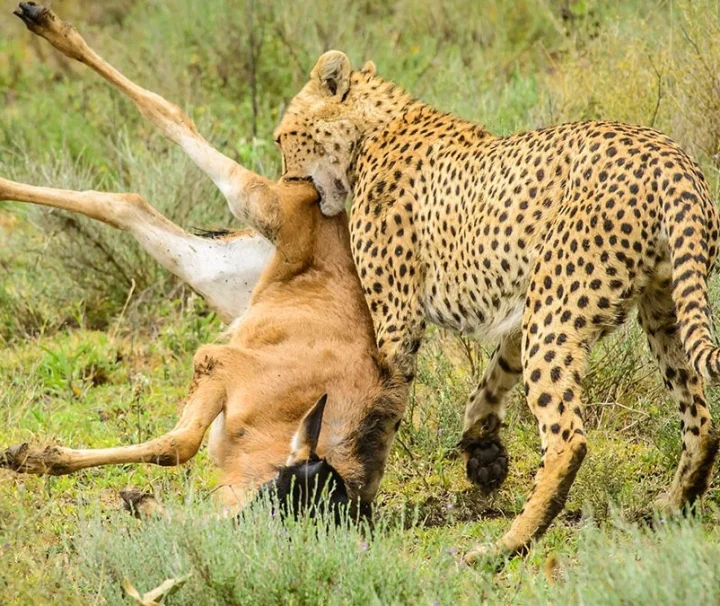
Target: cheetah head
column 322, row 127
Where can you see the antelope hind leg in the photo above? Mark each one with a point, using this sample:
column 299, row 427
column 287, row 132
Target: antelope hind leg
column 249, row 195
column 223, row 271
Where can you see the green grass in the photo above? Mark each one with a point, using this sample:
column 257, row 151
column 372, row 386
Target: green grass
column 97, row 340
column 65, row 538
column 304, row 564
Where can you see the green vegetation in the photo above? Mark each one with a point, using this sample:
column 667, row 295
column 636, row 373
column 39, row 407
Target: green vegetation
column 97, row 340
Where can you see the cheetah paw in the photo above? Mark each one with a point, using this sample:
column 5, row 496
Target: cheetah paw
column 487, row 557
column 486, row 462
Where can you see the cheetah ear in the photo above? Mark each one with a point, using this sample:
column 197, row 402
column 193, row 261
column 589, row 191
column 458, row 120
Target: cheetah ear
column 332, row 72
column 369, row 68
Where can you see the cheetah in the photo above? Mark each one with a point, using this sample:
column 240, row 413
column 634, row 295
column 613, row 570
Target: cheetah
column 541, row 241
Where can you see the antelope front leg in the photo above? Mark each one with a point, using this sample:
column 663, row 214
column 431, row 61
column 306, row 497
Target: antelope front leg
column 249, row 195
column 224, row 271
column 207, row 399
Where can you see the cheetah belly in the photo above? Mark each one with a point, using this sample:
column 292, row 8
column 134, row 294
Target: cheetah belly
column 484, row 313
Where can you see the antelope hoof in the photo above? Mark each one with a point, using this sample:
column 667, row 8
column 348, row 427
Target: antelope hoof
column 22, row 459
column 141, row 504
column 486, row 462
column 33, row 15
column 13, row 457
column 16, row 458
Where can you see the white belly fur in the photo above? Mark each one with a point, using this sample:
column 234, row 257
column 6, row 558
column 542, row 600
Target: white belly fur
column 217, row 429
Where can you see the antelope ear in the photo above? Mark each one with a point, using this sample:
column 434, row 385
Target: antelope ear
column 332, row 72
column 369, row 68
column 306, row 439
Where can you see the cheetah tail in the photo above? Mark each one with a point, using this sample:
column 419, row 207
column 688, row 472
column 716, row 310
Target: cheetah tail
column 691, row 224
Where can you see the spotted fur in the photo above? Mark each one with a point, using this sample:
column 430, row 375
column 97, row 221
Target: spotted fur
column 543, row 241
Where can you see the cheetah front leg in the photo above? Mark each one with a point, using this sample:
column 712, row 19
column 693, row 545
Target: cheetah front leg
column 486, row 460
column 387, row 261
column 556, row 406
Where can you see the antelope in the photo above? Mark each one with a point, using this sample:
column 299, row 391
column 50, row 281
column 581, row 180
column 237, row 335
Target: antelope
column 299, row 398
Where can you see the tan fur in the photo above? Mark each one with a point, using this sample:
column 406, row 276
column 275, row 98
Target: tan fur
column 307, row 330
column 543, row 241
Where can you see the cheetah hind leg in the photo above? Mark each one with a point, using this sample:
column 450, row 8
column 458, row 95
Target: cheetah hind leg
column 556, row 406
column 486, row 460
column 556, row 343
column 700, row 440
